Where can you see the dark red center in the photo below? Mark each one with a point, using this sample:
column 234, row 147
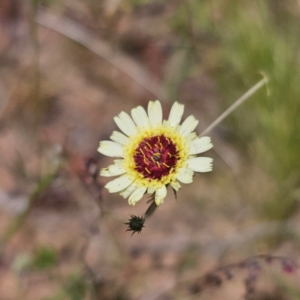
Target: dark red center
column 155, row 157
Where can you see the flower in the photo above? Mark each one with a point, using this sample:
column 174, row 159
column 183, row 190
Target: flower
column 135, row 224
column 154, row 152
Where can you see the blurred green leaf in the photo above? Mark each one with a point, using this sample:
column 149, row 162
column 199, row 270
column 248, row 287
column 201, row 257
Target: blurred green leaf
column 45, row 258
column 76, row 287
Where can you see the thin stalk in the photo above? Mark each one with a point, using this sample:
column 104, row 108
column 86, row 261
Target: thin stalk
column 150, row 210
column 235, row 105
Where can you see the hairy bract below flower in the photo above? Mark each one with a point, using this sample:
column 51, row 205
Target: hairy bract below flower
column 154, row 152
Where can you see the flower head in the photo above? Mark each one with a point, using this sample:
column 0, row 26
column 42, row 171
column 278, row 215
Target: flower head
column 154, row 152
column 135, row 224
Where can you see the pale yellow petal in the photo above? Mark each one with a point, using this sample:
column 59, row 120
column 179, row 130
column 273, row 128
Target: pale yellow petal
column 151, row 190
column 200, row 145
column 192, row 136
column 136, row 195
column 118, row 184
column 185, row 175
column 175, row 185
column 189, row 125
column 119, row 137
column 140, row 117
column 126, row 193
column 125, row 123
column 155, row 113
column 119, row 162
column 200, row 164
column 112, row 170
column 111, row 149
column 176, row 113
column 160, row 195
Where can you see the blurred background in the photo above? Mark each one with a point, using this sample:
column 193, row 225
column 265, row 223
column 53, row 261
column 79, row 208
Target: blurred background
column 67, row 68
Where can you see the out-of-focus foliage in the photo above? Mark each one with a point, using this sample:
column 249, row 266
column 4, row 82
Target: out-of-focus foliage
column 45, row 258
column 263, row 38
column 254, row 39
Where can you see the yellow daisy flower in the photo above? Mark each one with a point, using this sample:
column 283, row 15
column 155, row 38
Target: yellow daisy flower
column 154, row 152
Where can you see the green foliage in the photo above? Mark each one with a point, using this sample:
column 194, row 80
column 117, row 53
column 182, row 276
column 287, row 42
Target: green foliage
column 75, row 287
column 45, row 258
column 59, row 296
column 253, row 42
column 143, row 2
column 255, row 45
column 193, row 15
column 251, row 39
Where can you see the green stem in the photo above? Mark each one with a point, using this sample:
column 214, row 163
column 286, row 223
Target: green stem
column 152, row 207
